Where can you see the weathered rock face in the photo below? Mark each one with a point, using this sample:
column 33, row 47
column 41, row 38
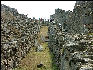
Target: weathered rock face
column 76, row 52
column 53, row 46
column 71, row 51
column 71, row 41
column 84, row 12
column 18, row 35
column 78, row 21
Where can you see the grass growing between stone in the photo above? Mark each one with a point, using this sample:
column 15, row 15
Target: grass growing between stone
column 54, row 66
column 34, row 58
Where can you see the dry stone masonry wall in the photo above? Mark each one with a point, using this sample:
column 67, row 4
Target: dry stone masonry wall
column 71, row 37
column 18, row 35
column 78, row 21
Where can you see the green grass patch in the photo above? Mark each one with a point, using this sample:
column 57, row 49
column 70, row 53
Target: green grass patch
column 33, row 58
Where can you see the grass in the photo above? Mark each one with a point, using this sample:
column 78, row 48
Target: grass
column 33, row 58
column 54, row 67
column 90, row 33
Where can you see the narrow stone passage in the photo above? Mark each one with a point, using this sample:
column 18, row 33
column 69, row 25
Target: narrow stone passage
column 62, row 42
column 35, row 58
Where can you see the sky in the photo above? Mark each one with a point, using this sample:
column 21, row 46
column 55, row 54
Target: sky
column 39, row 9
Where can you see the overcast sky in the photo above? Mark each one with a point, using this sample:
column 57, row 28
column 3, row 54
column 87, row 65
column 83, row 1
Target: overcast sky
column 39, row 9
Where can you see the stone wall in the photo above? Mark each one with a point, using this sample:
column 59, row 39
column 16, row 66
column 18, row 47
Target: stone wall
column 18, row 35
column 71, row 38
column 77, row 54
column 71, row 51
column 76, row 21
